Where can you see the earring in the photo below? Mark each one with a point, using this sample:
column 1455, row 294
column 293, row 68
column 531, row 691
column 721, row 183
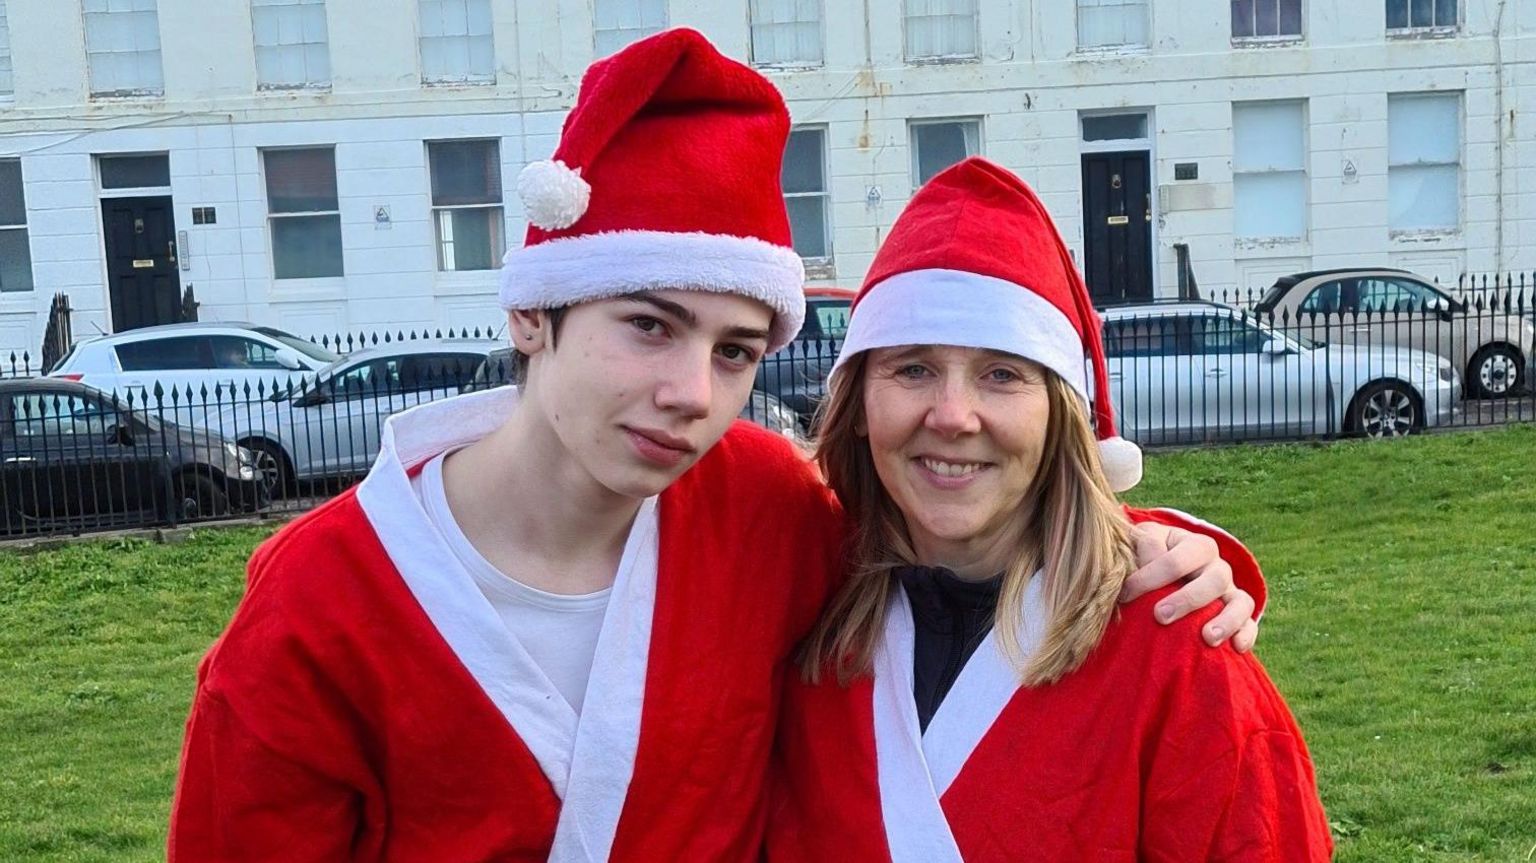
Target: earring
column 528, row 335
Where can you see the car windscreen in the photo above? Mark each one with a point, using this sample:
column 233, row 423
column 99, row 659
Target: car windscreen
column 303, row 346
column 1273, row 296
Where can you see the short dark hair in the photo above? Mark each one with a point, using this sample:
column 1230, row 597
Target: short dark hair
column 519, row 371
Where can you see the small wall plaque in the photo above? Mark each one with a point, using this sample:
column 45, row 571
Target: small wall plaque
column 1186, row 170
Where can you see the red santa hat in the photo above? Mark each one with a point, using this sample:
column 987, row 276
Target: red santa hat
column 666, row 177
column 974, row 260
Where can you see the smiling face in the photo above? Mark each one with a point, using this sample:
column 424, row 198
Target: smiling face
column 636, row 389
column 956, row 436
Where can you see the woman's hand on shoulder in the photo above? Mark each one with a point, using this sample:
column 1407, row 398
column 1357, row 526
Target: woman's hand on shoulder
column 1167, row 555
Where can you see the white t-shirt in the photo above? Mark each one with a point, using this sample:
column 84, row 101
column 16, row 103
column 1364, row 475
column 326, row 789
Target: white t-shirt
column 559, row 632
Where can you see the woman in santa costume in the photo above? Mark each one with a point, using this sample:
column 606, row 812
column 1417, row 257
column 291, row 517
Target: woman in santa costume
column 973, row 693
column 551, row 623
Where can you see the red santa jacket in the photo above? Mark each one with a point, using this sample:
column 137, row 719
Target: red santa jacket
column 1158, row 748
column 366, row 704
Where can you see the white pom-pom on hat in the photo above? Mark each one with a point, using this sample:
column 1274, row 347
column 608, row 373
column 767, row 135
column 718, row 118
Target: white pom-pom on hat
column 554, row 195
column 1122, row 463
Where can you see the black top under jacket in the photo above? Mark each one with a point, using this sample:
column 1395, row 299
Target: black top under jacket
column 951, row 617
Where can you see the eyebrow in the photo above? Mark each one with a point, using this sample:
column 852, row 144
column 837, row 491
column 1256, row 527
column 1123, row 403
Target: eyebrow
column 687, row 316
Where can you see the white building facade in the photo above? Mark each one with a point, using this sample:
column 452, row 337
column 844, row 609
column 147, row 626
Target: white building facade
column 341, row 165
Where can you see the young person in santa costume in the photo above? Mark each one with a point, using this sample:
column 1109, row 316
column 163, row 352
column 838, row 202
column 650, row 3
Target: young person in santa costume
column 551, row 622
column 973, row 693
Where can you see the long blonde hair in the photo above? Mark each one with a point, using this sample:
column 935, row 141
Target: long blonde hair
column 1069, row 517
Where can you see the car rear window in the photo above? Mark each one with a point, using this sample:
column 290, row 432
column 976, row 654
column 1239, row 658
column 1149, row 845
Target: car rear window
column 182, row 352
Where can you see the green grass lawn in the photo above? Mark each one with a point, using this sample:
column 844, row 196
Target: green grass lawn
column 1402, row 628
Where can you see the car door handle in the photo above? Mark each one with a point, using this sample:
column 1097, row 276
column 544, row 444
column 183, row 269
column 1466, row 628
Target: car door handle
column 21, row 459
column 1215, row 373
column 1115, row 376
column 1361, row 329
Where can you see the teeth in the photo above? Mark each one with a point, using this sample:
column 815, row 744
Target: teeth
column 944, row 468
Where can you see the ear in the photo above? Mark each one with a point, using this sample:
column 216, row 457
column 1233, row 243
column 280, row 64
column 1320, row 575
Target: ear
column 529, row 329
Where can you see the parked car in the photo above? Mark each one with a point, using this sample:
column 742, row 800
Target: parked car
column 761, row 408
column 1492, row 349
column 196, row 355
column 797, row 374
column 329, row 427
column 73, row 456
column 1191, row 371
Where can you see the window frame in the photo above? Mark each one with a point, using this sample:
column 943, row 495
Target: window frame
column 309, row 82
column 1114, row 47
column 469, row 78
column 1256, row 40
column 1302, row 173
column 753, row 26
column 440, row 211
column 825, row 194
column 1411, row 30
column 7, row 69
column 156, row 90
column 907, row 17
column 642, row 31
column 915, row 157
column 273, row 217
column 21, row 228
column 1459, row 164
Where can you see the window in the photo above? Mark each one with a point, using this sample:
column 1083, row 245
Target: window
column 54, row 414
column 134, row 172
column 291, row 44
column 1424, row 161
column 155, row 355
column 1324, row 300
column 15, row 249
column 456, row 45
column 421, row 372
column 937, row 144
column 6, row 87
column 786, row 32
column 372, row 377
column 825, row 319
column 122, row 47
column 234, row 352
column 940, row 28
column 1115, row 127
column 1140, row 337
column 1112, row 22
column 1223, row 335
column 1266, row 19
column 466, row 203
column 616, row 23
column 303, row 213
column 1422, row 14
column 1269, row 176
column 804, row 179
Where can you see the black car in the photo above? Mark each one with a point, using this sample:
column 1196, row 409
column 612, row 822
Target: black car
column 797, row 374
column 73, row 457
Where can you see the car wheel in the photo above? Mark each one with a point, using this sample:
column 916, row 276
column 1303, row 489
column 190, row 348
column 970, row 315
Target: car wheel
column 273, row 468
column 1386, row 409
column 1495, row 372
column 198, row 496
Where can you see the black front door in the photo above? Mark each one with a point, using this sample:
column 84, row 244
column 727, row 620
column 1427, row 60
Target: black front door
column 1117, row 226
column 141, row 262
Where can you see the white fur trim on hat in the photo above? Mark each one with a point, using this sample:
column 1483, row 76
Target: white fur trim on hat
column 598, row 266
column 955, row 307
column 554, row 195
column 1121, row 460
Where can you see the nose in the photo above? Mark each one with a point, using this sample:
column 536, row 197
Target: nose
column 954, row 409
column 687, row 388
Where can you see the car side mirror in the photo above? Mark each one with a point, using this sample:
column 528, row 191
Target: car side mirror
column 288, row 358
column 1274, row 348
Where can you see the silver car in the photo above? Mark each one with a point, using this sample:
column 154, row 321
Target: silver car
column 330, row 428
column 1188, row 371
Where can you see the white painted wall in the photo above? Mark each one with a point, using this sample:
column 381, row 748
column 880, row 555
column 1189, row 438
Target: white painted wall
column 1029, row 87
